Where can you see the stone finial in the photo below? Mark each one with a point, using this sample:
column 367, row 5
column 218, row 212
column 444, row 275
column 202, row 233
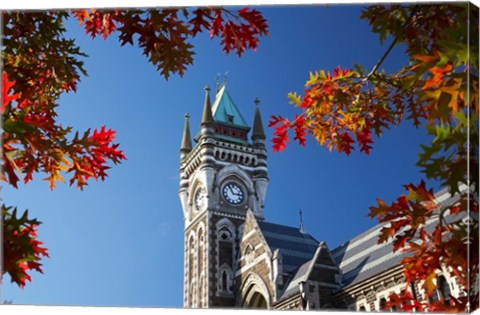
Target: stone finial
column 207, row 116
column 186, row 146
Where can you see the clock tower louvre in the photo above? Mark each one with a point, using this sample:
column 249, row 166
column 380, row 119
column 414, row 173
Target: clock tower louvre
column 221, row 177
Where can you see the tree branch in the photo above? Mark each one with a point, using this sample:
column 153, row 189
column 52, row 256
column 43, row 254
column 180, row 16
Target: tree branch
column 394, row 42
column 385, row 54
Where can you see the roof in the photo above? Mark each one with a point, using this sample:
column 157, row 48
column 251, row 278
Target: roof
column 294, row 281
column 296, row 247
column 225, row 111
column 304, row 272
column 362, row 257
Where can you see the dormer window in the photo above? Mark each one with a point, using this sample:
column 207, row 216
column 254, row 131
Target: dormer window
column 230, row 118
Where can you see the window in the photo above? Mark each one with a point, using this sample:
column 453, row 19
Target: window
column 230, row 118
column 225, row 235
column 224, row 280
column 249, row 254
column 382, row 304
column 225, row 284
column 443, row 289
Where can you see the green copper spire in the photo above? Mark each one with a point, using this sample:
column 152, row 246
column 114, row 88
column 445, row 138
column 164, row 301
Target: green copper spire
column 187, row 139
column 226, row 112
column 258, row 131
column 207, row 109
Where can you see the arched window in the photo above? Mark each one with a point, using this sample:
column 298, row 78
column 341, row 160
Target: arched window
column 225, row 235
column 226, row 280
column 362, row 309
column 201, row 250
column 191, row 257
column 249, row 254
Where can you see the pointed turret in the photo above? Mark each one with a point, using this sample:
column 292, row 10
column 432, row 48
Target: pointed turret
column 186, row 146
column 207, row 117
column 258, row 132
column 260, row 173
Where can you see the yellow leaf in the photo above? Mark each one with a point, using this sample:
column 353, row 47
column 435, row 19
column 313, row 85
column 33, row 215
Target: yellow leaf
column 429, row 284
column 313, row 79
column 294, row 98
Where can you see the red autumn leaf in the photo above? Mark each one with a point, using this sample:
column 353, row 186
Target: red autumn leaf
column 299, row 128
column 98, row 22
column 364, row 139
column 238, row 32
column 339, row 73
column 216, row 26
column 386, row 233
column 21, row 249
column 280, row 136
column 200, row 21
column 6, row 87
column 344, row 143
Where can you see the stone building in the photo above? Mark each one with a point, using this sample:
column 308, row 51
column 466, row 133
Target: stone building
column 235, row 258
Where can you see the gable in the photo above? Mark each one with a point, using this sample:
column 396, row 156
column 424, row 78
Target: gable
column 254, row 262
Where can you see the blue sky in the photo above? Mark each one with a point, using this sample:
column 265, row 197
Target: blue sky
column 120, row 242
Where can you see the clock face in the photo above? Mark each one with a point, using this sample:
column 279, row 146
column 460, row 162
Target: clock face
column 200, row 198
column 233, row 193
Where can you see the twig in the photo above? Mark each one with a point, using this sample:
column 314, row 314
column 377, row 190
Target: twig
column 385, row 54
column 394, row 42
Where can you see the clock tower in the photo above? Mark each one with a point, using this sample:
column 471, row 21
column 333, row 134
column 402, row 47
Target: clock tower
column 222, row 176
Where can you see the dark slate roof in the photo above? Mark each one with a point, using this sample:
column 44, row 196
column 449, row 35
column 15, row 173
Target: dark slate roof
column 296, row 247
column 362, row 257
column 294, row 280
